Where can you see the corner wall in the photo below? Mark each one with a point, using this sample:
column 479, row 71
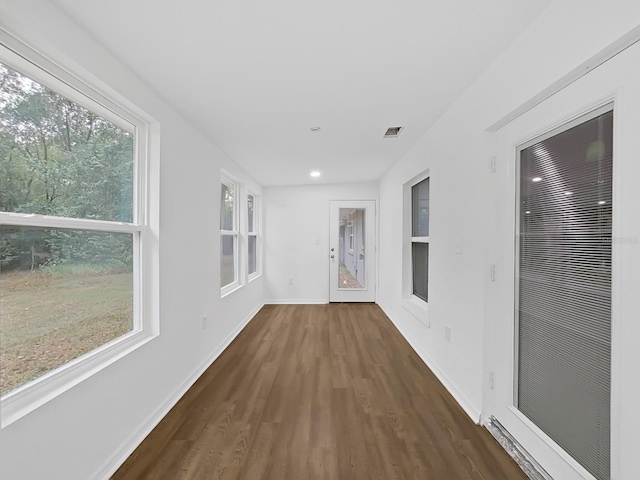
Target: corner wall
column 86, row 432
column 297, row 239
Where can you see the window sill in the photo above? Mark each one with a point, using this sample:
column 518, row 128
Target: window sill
column 24, row 400
column 418, row 308
column 253, row 276
column 229, row 289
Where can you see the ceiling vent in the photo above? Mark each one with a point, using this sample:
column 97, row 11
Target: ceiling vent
column 392, row 132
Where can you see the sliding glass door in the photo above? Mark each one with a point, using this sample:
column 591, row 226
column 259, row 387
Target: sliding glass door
column 563, row 304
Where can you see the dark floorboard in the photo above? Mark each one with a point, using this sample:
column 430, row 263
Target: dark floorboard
column 319, row 392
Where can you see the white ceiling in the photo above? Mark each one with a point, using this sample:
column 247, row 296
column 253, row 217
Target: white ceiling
column 255, row 75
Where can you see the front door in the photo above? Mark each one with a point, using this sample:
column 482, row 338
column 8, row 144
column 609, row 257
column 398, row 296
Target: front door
column 351, row 251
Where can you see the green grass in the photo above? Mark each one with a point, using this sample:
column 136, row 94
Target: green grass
column 50, row 317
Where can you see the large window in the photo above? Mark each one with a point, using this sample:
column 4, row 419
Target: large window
column 420, row 239
column 72, row 226
column 228, row 235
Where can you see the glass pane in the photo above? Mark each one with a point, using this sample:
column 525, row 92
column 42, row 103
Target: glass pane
column 252, row 253
column 226, row 207
column 58, row 158
column 420, row 260
column 420, row 209
column 227, row 259
column 250, row 204
column 564, row 289
column 351, row 248
column 63, row 293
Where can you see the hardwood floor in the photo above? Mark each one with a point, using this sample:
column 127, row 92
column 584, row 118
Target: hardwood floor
column 319, row 392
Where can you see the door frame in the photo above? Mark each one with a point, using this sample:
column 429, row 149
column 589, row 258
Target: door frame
column 613, row 83
column 368, row 293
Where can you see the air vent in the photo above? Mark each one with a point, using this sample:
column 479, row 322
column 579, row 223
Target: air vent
column 392, row 132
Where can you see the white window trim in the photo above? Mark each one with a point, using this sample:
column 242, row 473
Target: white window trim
column 257, row 224
column 229, row 181
column 413, row 304
column 144, row 228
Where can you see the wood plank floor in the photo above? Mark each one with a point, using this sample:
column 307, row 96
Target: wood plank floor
column 319, row 392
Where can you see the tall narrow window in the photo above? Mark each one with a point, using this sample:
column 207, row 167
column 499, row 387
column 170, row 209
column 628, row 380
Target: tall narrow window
column 252, row 234
column 564, row 288
column 228, row 235
column 420, row 239
column 72, row 229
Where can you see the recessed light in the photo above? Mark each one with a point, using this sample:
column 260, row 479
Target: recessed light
column 315, row 129
column 568, row 193
column 536, row 179
column 601, row 202
column 315, row 174
column 527, row 212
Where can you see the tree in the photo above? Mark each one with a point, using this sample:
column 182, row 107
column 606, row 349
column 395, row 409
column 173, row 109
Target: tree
column 58, row 158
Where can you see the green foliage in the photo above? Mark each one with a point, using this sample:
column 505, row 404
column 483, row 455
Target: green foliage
column 58, row 158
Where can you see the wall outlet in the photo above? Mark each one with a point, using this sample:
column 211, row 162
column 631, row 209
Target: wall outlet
column 290, row 281
column 447, row 333
column 205, row 321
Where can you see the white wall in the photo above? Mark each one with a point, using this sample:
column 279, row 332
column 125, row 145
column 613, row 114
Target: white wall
column 86, row 432
column 457, row 153
column 297, row 239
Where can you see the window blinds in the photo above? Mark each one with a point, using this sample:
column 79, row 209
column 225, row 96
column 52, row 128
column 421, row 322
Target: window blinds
column 564, row 289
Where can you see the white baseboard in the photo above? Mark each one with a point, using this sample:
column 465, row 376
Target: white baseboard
column 466, row 405
column 297, row 301
column 121, row 455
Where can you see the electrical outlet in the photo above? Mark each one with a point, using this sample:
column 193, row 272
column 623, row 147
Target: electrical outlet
column 290, row 280
column 447, row 333
column 204, row 322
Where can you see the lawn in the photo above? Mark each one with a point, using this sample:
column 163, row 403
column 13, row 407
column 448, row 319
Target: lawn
column 47, row 319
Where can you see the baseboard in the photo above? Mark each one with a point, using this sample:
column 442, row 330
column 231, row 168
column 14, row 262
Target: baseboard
column 466, row 405
column 119, row 457
column 297, row 301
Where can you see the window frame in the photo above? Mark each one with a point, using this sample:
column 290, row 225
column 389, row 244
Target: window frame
column 410, row 302
column 229, row 181
column 101, row 100
column 255, row 233
column 418, row 239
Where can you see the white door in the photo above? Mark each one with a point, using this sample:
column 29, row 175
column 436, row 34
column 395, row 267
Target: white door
column 613, row 86
column 352, row 251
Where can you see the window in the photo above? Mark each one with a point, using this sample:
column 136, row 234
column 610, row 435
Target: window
column 420, row 239
column 350, row 232
column 228, row 236
column 74, row 230
column 252, row 235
